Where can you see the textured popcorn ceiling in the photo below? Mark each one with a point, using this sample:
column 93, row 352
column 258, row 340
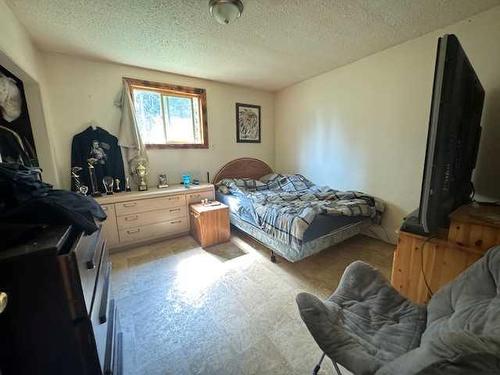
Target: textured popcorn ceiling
column 274, row 44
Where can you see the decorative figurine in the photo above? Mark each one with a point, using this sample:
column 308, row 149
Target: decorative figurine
column 117, row 185
column 186, row 180
column 93, row 179
column 162, row 181
column 127, row 184
column 108, row 183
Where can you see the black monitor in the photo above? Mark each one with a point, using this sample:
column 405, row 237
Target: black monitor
column 452, row 139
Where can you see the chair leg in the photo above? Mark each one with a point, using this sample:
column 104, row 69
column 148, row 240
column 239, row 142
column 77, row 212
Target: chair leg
column 273, row 257
column 336, row 367
column 318, row 366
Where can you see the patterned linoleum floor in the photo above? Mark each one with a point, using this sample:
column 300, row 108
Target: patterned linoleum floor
column 227, row 309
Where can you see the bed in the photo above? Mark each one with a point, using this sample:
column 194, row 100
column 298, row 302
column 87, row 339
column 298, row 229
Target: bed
column 324, row 230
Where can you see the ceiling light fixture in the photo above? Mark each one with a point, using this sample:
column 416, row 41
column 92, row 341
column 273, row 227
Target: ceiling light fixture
column 225, row 11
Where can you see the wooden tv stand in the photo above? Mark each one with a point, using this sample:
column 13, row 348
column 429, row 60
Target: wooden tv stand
column 473, row 230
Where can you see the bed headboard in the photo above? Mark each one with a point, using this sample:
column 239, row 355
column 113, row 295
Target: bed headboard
column 243, row 168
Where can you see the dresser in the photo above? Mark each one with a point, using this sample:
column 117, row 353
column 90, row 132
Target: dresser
column 142, row 216
column 58, row 315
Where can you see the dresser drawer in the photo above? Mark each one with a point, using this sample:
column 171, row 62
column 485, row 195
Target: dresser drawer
column 197, row 197
column 88, row 252
column 143, row 205
column 150, row 217
column 173, row 226
column 101, row 312
column 109, row 229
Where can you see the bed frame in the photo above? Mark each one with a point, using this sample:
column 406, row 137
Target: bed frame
column 255, row 169
column 243, row 168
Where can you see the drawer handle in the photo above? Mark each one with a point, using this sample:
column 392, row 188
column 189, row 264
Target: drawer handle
column 133, row 204
column 175, row 209
column 103, row 308
column 4, row 299
column 134, row 231
column 173, row 198
column 131, row 218
column 176, row 222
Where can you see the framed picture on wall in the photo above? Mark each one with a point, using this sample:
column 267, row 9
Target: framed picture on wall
column 247, row 123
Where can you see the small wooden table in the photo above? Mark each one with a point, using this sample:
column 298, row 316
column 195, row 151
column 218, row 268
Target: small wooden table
column 209, row 223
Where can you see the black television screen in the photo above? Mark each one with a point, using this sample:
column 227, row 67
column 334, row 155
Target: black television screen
column 453, row 136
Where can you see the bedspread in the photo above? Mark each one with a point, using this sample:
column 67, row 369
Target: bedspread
column 285, row 206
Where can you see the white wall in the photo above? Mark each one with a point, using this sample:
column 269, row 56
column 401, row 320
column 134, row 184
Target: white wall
column 364, row 126
column 20, row 57
column 81, row 90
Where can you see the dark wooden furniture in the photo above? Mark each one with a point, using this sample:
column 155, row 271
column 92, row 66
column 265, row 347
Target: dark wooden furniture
column 59, row 317
column 422, row 265
column 210, row 223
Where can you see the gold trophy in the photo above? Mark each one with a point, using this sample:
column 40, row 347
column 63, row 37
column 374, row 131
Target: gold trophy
column 141, row 171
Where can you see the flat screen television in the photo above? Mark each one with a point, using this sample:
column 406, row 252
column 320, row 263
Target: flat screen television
column 452, row 139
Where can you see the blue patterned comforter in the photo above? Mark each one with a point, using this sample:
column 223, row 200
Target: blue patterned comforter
column 285, row 206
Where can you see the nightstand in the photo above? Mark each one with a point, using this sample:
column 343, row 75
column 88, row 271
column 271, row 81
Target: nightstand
column 209, row 223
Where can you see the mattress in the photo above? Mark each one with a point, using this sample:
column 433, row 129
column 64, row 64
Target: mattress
column 322, row 224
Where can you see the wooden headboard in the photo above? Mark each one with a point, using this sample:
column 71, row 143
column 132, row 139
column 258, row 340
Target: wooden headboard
column 243, row 168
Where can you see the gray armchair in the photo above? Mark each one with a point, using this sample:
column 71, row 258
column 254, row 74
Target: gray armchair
column 368, row 327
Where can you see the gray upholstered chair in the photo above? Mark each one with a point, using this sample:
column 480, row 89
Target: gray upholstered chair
column 368, row 327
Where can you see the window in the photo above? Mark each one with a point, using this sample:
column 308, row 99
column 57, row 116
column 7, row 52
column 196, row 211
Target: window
column 170, row 116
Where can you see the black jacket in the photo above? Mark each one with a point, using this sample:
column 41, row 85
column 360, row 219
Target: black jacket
column 103, row 147
column 26, row 201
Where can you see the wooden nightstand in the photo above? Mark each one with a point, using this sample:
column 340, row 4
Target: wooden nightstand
column 209, row 224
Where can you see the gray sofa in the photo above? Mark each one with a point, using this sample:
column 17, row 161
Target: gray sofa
column 369, row 328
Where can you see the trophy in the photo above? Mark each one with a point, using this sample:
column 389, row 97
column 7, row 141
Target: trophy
column 162, row 181
column 84, row 189
column 141, row 173
column 108, row 183
column 117, row 185
column 127, row 184
column 92, row 177
column 139, row 168
column 77, row 184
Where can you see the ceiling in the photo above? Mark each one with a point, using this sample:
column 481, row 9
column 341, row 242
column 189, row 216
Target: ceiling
column 274, row 44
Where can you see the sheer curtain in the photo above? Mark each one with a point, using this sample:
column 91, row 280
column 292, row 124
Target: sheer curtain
column 129, row 137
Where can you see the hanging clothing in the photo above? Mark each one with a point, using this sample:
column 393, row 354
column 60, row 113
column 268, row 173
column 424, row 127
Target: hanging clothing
column 10, row 98
column 101, row 148
column 129, row 135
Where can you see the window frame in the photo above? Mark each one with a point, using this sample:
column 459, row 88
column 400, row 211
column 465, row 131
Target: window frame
column 175, row 90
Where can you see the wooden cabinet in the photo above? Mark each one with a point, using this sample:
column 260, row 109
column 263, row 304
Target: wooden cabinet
column 210, row 224
column 422, row 265
column 135, row 217
column 60, row 317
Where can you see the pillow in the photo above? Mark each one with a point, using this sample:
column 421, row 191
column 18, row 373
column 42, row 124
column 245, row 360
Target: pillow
column 270, row 177
column 223, row 189
column 294, row 183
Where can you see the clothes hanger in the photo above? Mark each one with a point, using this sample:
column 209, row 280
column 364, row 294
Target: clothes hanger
column 93, row 125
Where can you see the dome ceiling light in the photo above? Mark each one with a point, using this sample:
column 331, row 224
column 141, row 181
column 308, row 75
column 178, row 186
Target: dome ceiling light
column 225, row 11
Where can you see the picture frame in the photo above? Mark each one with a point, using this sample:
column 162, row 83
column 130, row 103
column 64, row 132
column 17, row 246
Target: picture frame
column 248, row 123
